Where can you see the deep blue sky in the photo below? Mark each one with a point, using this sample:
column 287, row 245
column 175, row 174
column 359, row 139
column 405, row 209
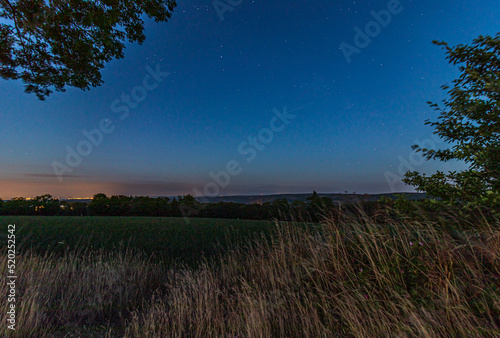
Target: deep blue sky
column 357, row 122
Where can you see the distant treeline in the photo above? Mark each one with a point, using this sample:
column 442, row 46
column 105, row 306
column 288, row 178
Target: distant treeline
column 182, row 206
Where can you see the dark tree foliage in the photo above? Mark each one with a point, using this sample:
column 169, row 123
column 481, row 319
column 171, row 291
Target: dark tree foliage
column 44, row 205
column 470, row 122
column 314, row 209
column 57, row 43
column 318, row 206
column 119, row 205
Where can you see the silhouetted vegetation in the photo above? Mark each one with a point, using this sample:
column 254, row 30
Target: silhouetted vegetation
column 314, row 209
column 468, row 122
column 50, row 45
column 182, row 206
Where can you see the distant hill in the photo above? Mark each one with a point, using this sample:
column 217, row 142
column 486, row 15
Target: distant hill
column 338, row 198
column 81, row 200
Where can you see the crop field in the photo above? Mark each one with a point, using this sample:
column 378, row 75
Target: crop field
column 171, row 239
column 118, row 277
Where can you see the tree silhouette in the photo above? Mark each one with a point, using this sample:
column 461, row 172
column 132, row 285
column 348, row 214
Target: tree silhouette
column 470, row 122
column 53, row 44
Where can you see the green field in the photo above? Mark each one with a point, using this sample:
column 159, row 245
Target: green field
column 171, row 239
column 353, row 277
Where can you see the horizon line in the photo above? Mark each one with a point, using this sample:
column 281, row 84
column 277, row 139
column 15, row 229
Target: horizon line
column 218, row 196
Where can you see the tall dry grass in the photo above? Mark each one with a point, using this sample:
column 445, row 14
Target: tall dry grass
column 353, row 278
column 82, row 292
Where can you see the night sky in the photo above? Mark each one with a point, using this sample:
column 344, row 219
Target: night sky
column 342, row 126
